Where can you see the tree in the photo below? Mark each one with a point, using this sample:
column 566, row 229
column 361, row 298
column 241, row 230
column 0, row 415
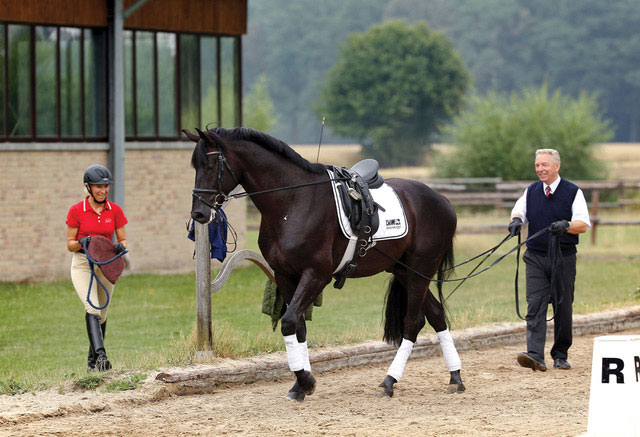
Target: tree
column 574, row 45
column 295, row 43
column 258, row 112
column 497, row 135
column 392, row 88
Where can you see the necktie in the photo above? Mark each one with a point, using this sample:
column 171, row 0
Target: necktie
column 547, row 191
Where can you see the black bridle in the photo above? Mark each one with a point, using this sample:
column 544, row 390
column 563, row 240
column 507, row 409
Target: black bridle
column 219, row 196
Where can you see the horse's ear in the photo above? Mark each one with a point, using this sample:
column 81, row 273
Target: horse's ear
column 213, row 138
column 193, row 137
column 202, row 135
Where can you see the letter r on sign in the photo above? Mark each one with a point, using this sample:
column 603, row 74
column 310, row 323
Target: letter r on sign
column 608, row 371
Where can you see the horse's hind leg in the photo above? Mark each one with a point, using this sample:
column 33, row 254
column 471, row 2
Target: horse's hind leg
column 434, row 313
column 404, row 320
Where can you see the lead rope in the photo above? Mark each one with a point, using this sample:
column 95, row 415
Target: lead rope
column 93, row 262
column 489, row 253
column 470, row 275
column 554, row 256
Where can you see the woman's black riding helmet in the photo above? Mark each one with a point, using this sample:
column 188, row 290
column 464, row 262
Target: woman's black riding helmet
column 97, row 174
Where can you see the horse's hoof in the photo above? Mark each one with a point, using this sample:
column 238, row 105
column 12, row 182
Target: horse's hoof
column 386, row 393
column 455, row 388
column 310, row 387
column 295, row 396
column 387, row 386
column 305, row 382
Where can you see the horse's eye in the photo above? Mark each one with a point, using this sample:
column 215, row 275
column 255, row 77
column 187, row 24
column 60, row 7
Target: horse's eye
column 212, row 161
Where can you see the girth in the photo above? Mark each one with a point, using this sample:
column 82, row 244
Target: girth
column 359, row 207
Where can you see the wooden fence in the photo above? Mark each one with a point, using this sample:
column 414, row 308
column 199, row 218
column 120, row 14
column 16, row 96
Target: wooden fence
column 494, row 192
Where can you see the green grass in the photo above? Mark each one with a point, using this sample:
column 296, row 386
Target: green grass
column 43, row 341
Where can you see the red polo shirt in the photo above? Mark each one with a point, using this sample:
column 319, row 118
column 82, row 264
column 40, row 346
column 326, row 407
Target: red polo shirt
column 88, row 222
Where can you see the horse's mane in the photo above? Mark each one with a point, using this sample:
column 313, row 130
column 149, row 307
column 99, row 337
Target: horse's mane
column 264, row 140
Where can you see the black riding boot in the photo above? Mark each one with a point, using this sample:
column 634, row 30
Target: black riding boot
column 96, row 340
column 93, row 356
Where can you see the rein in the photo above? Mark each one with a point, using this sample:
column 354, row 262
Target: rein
column 220, row 197
column 225, row 197
column 93, row 262
column 464, row 278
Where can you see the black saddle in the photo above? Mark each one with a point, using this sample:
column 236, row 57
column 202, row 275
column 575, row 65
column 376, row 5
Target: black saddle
column 368, row 171
column 359, row 207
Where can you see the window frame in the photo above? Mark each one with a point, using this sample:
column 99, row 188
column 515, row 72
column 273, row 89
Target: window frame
column 58, row 137
column 177, row 84
column 177, row 92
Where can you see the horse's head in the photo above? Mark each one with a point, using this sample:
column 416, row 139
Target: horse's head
column 214, row 176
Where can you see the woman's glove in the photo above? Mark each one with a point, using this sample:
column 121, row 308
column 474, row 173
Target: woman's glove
column 84, row 241
column 119, row 248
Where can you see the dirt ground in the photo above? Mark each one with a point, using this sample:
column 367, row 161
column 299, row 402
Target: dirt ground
column 501, row 399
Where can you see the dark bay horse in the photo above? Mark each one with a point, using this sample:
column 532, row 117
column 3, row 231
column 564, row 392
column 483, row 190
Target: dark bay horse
column 300, row 238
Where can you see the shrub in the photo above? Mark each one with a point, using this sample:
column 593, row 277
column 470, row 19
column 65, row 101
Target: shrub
column 497, row 135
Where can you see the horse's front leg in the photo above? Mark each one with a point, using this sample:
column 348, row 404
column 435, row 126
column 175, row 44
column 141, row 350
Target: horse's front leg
column 298, row 391
column 294, row 334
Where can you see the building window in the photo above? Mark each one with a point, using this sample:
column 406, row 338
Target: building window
column 180, row 81
column 167, row 109
column 230, row 83
column 52, row 83
column 18, row 81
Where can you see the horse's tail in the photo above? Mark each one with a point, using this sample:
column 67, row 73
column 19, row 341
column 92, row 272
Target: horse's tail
column 445, row 270
column 396, row 310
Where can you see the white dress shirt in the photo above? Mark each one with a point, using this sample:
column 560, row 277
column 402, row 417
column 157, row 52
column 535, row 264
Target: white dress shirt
column 579, row 210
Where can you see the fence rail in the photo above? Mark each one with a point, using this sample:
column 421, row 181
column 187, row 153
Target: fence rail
column 497, row 193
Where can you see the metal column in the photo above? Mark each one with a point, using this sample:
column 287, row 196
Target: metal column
column 116, row 100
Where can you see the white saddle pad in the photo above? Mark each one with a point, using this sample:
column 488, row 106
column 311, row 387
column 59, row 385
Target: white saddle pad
column 393, row 222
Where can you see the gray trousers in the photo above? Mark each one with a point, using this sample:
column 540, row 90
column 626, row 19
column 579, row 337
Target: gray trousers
column 538, row 298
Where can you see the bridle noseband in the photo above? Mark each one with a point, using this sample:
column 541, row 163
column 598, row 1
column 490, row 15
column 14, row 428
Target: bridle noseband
column 220, row 196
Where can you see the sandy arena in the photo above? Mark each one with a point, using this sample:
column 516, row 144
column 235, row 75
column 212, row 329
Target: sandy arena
column 501, row 399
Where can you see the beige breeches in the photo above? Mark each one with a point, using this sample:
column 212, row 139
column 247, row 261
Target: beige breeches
column 81, row 276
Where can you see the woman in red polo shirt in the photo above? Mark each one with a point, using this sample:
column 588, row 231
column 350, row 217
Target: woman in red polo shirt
column 95, row 215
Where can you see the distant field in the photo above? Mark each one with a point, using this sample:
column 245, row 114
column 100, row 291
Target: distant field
column 341, row 154
column 623, row 159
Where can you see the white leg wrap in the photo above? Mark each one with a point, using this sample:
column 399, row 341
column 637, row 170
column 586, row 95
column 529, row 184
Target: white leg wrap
column 305, row 355
column 400, row 361
column 451, row 357
column 294, row 353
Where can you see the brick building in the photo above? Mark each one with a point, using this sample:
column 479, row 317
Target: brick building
column 110, row 82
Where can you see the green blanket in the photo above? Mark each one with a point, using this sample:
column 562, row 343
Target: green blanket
column 273, row 304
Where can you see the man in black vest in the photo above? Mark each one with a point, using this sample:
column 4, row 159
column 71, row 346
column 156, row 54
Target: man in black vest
column 557, row 203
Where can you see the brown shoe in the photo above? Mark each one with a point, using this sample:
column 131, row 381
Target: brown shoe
column 526, row 360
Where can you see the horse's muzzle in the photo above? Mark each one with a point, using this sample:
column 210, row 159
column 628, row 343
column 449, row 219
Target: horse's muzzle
column 201, row 212
column 201, row 216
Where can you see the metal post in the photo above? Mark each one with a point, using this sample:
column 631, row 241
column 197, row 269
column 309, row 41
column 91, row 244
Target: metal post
column 116, row 100
column 203, row 287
